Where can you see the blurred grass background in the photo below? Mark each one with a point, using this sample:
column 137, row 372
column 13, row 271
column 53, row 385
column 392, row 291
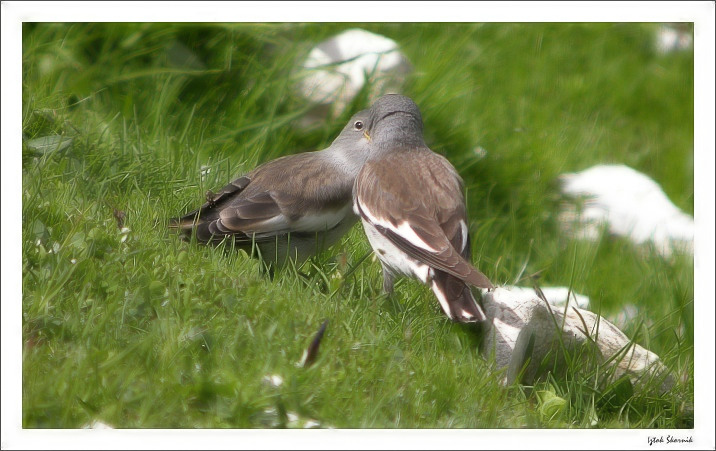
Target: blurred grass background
column 140, row 330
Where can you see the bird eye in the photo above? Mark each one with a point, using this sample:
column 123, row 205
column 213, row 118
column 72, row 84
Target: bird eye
column 358, row 125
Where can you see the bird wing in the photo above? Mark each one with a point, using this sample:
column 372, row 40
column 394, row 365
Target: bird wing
column 429, row 225
column 272, row 200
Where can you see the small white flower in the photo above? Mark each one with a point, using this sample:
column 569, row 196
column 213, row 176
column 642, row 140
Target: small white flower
column 310, row 424
column 479, row 152
column 273, row 380
column 73, row 261
column 205, row 170
column 96, row 424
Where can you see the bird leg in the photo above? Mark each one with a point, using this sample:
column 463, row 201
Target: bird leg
column 388, row 280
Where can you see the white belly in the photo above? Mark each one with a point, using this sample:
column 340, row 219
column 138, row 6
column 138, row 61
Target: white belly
column 300, row 247
column 392, row 257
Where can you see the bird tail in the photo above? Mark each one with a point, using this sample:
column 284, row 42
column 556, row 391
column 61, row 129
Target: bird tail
column 456, row 298
column 194, row 224
column 203, row 219
column 183, row 224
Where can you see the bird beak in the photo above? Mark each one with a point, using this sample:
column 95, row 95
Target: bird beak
column 367, row 136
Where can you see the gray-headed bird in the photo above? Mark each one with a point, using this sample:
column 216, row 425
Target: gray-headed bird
column 412, row 206
column 291, row 207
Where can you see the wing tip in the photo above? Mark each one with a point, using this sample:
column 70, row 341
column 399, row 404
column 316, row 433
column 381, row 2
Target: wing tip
column 478, row 279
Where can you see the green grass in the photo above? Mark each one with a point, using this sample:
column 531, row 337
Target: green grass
column 141, row 330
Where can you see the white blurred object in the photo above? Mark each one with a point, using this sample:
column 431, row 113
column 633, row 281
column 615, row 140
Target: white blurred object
column 628, row 314
column 338, row 68
column 671, row 38
column 96, row 424
column 632, row 204
column 270, row 417
column 479, row 152
column 273, row 380
column 556, row 296
column 311, row 424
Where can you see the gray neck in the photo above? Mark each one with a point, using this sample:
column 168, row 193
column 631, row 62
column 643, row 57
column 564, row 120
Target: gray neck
column 347, row 157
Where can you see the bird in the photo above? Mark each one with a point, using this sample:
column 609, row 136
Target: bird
column 410, row 201
column 291, row 207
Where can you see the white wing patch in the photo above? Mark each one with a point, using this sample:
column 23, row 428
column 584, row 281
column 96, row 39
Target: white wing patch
column 389, row 254
column 442, row 299
column 403, row 229
column 463, row 228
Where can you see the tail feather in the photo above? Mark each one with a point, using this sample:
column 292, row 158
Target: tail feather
column 205, row 217
column 205, row 226
column 183, row 223
column 198, row 222
column 456, row 299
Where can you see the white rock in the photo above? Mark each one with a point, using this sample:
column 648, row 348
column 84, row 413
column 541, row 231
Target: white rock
column 336, row 69
column 556, row 296
column 631, row 204
column 527, row 336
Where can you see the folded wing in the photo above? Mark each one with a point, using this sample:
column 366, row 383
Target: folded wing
column 422, row 223
column 274, row 199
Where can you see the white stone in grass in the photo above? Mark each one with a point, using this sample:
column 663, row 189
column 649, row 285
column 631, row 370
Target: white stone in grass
column 338, row 68
column 629, row 203
column 527, row 336
column 556, row 296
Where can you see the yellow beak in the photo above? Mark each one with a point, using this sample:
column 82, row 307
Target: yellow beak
column 367, row 136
